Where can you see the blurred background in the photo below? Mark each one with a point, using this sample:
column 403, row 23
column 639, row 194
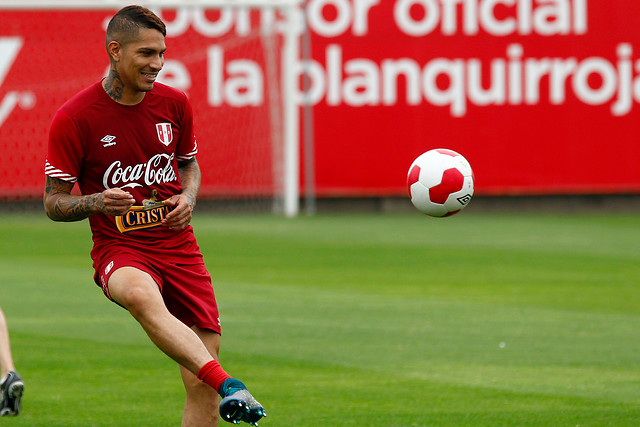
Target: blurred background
column 540, row 97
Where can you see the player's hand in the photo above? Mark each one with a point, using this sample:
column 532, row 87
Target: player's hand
column 115, row 201
column 180, row 215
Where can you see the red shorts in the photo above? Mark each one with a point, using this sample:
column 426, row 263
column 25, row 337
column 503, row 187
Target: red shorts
column 186, row 288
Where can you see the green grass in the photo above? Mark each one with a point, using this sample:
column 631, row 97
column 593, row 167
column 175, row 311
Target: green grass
column 362, row 320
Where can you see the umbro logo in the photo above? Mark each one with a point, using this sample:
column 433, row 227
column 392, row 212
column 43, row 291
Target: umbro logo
column 108, row 140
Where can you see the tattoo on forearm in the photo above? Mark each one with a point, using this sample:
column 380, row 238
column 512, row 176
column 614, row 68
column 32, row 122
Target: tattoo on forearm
column 190, row 176
column 75, row 209
column 60, row 205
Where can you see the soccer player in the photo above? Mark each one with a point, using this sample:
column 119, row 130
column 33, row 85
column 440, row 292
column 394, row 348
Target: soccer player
column 11, row 385
column 128, row 142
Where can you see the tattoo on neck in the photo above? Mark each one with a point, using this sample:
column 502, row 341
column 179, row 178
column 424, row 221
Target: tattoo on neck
column 113, row 85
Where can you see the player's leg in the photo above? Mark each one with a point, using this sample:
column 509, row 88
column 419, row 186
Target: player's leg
column 11, row 385
column 6, row 362
column 136, row 290
column 187, row 290
column 201, row 403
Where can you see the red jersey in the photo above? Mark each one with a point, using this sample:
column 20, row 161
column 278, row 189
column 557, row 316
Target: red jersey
column 101, row 144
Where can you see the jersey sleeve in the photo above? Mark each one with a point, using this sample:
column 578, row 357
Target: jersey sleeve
column 64, row 156
column 187, row 147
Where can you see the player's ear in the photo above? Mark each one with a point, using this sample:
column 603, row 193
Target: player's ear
column 114, row 49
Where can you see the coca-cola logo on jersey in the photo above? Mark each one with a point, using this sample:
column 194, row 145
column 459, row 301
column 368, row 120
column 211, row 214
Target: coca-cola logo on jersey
column 157, row 170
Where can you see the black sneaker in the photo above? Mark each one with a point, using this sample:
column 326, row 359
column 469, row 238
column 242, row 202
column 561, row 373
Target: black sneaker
column 12, row 388
column 238, row 404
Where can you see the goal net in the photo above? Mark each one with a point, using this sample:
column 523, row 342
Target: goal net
column 233, row 58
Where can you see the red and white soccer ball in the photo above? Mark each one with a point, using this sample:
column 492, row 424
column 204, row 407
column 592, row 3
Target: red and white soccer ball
column 440, row 182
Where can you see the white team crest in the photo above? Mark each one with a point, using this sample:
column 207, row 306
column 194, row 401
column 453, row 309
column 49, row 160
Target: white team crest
column 165, row 133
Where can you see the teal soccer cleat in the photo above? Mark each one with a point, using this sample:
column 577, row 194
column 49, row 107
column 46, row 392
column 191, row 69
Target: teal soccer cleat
column 238, row 404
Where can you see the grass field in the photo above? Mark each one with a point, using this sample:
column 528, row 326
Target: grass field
column 362, row 320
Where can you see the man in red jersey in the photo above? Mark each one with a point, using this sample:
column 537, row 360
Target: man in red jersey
column 129, row 144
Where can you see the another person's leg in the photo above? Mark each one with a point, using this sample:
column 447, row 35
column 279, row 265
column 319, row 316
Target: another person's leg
column 11, row 385
column 6, row 361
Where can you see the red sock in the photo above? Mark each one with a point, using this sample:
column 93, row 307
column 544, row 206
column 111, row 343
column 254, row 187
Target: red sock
column 213, row 374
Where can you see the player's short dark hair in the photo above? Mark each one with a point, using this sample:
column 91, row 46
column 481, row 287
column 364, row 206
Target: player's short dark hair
column 126, row 23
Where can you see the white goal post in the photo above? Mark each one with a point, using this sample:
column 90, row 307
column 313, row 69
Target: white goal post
column 290, row 57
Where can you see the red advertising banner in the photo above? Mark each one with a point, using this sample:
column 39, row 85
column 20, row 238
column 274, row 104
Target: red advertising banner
column 541, row 96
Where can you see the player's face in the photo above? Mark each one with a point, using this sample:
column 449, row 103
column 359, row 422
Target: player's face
column 141, row 61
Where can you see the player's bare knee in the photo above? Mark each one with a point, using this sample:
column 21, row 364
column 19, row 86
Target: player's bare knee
column 135, row 296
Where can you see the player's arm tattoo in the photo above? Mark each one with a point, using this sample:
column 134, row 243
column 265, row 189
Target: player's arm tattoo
column 113, row 85
column 61, row 205
column 190, row 176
